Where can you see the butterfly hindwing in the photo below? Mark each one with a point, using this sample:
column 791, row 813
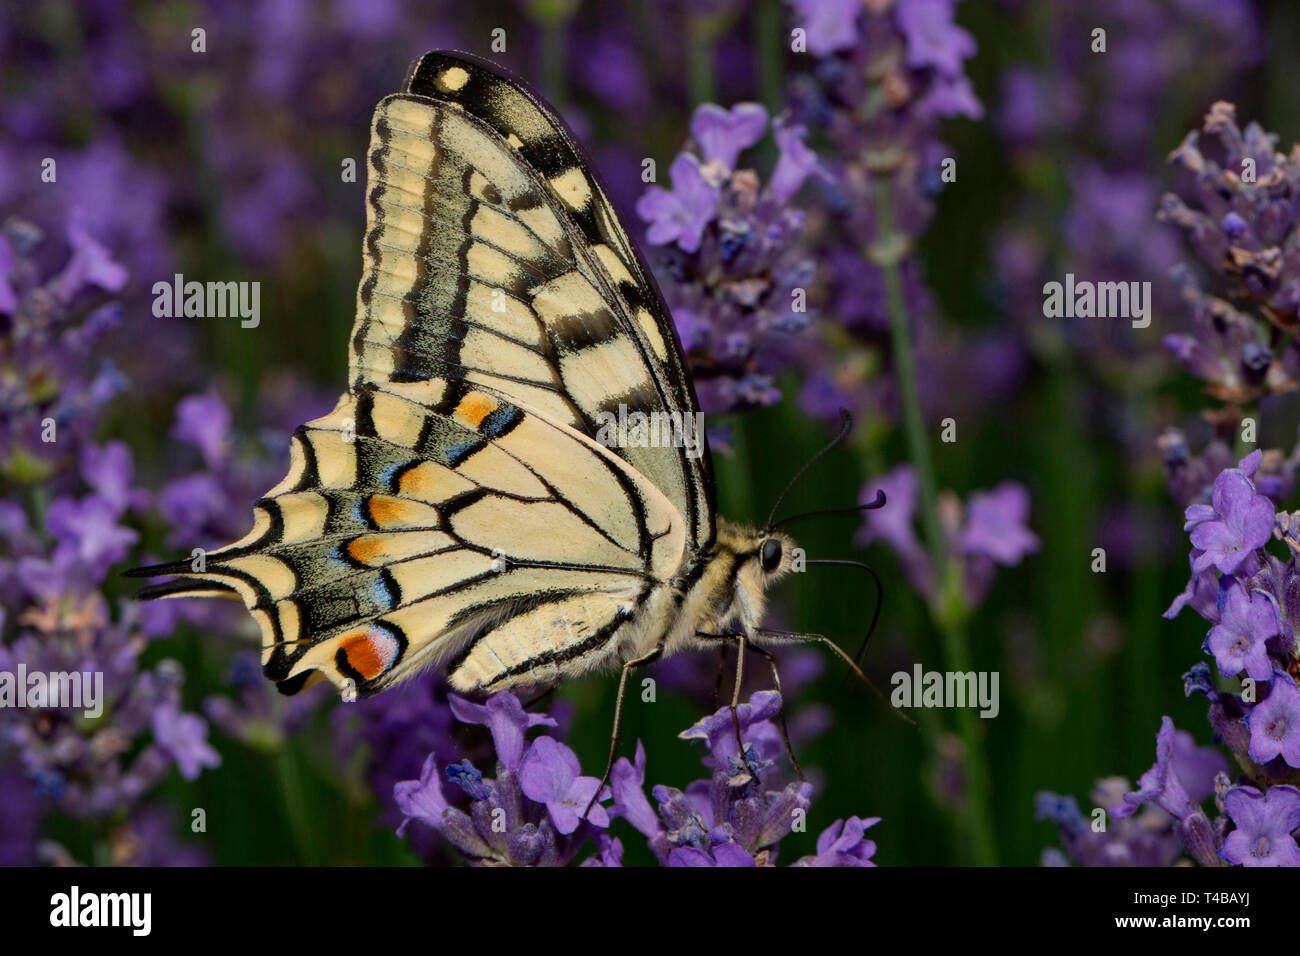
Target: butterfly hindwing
column 435, row 521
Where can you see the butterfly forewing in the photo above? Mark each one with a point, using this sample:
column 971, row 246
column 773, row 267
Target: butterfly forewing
column 494, row 252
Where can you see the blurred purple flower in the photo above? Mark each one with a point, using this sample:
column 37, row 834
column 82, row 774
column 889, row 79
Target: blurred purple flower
column 989, row 530
column 830, row 25
column 681, row 215
column 933, row 39
column 90, row 265
column 88, row 534
column 995, row 524
column 184, row 738
column 1147, row 839
column 258, row 715
column 204, row 421
column 723, row 135
column 795, row 163
column 109, row 471
column 895, row 523
column 8, row 295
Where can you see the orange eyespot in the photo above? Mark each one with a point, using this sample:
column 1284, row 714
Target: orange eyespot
column 370, row 653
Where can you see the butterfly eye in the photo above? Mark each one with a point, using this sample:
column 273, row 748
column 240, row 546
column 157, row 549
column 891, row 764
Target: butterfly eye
column 771, row 555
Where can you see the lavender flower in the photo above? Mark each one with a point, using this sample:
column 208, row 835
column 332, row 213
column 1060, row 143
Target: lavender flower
column 1247, row 210
column 844, row 843
column 1264, row 823
column 885, row 76
column 830, row 25
column 1239, row 216
column 730, row 261
column 1180, row 779
column 1146, row 839
column 1253, row 631
column 680, row 215
column 734, row 818
column 1275, row 723
column 183, row 737
column 1238, row 640
column 995, row 525
column 56, row 552
column 504, row 715
column 551, row 775
column 989, row 530
column 722, row 135
column 55, row 330
column 530, row 814
column 933, row 40
column 1228, row 531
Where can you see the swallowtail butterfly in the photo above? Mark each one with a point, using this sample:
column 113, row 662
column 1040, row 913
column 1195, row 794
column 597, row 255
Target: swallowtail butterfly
column 458, row 508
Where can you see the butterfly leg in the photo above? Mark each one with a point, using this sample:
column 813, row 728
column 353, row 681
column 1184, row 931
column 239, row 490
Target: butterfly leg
column 780, row 715
column 795, row 637
column 776, row 680
column 628, row 667
column 735, row 696
column 722, row 672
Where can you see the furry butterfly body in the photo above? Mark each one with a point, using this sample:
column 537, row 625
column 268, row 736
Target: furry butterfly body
column 458, row 508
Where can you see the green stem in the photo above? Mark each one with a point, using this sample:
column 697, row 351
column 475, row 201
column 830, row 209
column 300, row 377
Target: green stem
column 947, row 606
column 699, row 67
column 553, row 54
column 770, row 50
column 978, row 809
column 295, row 805
column 889, row 252
column 739, row 488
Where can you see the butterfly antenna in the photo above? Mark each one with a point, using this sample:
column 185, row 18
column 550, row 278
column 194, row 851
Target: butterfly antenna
column 877, row 502
column 846, row 425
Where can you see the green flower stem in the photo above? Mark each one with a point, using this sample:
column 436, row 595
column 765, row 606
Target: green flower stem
column 948, row 608
column 768, row 40
column 553, row 56
column 700, row 68
column 702, row 34
column 295, row 805
column 551, row 18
